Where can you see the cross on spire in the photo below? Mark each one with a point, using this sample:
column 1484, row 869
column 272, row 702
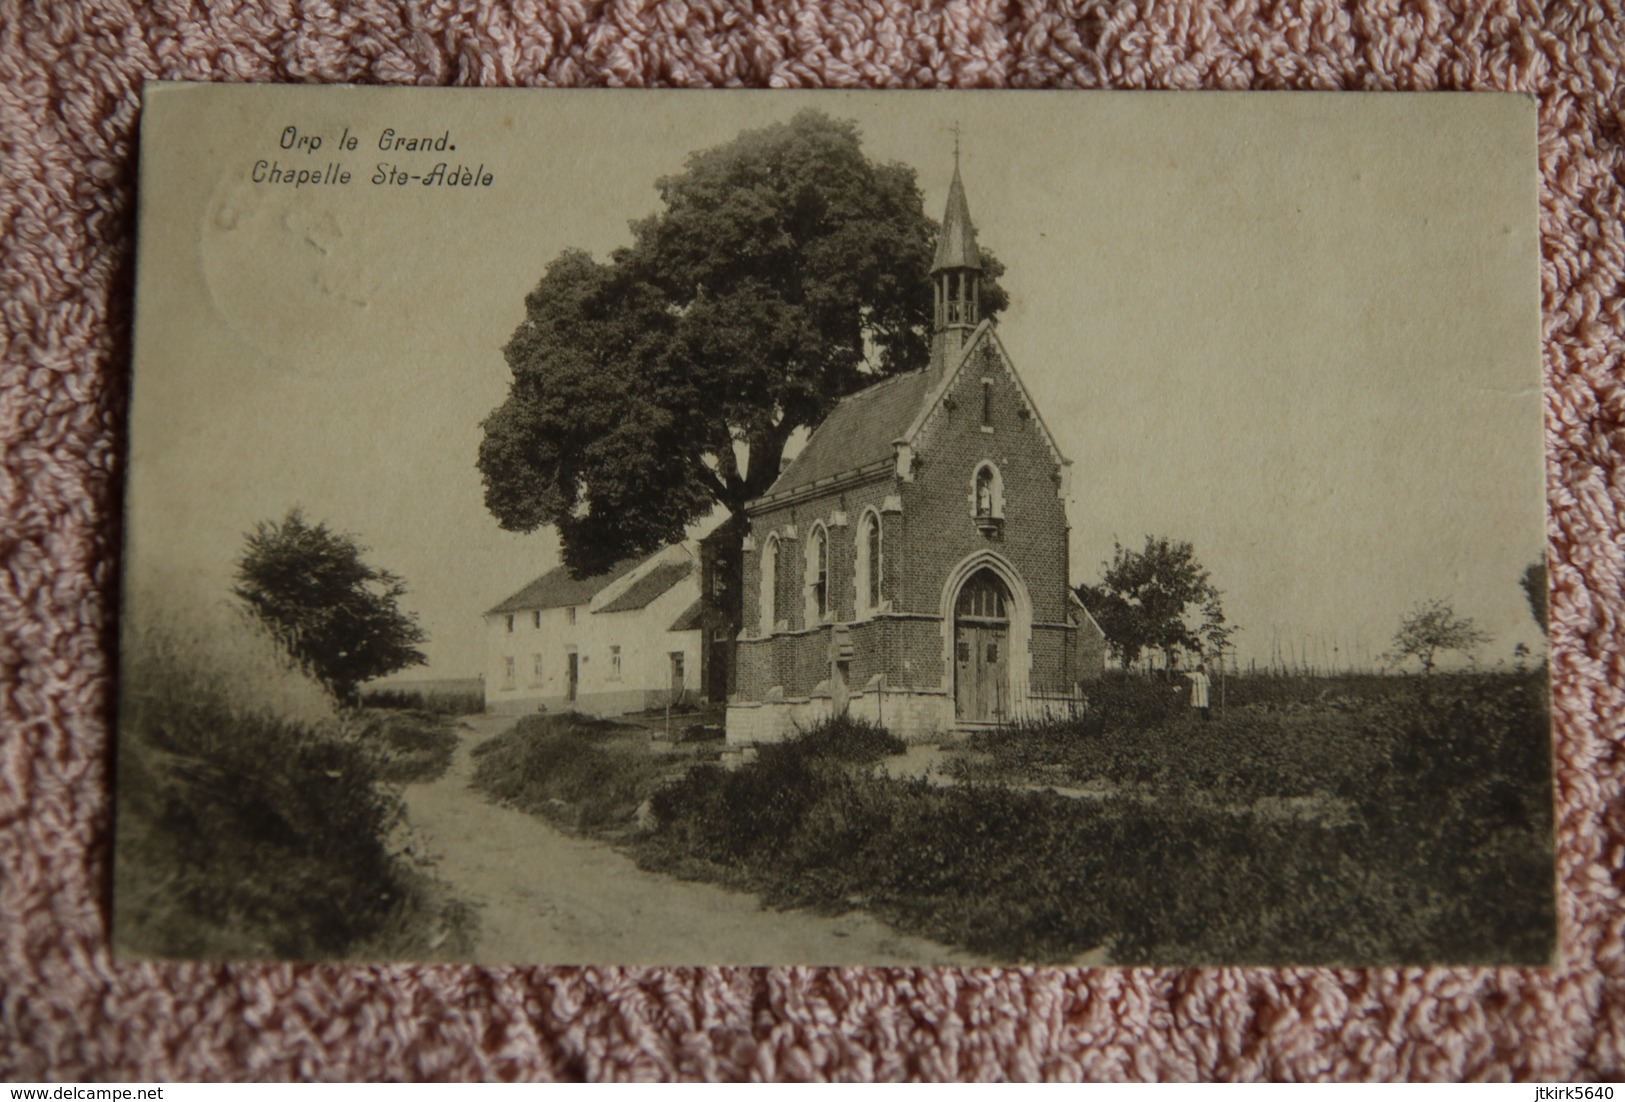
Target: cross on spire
column 956, row 144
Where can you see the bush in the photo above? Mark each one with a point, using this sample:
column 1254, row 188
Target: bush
column 583, row 773
column 842, row 738
column 250, row 823
column 412, row 747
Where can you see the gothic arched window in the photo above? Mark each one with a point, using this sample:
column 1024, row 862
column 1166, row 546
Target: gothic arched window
column 770, row 585
column 870, row 568
column 817, row 575
column 871, row 539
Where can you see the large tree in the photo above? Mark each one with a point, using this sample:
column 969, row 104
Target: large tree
column 784, row 270
column 1159, row 598
column 336, row 616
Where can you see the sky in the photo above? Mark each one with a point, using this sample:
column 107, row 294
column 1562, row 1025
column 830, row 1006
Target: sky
column 1298, row 330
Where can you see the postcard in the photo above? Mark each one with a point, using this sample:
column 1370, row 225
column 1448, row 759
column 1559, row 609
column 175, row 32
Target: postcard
column 695, row 528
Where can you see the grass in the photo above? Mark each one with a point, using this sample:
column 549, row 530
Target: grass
column 252, row 818
column 412, row 747
column 1316, row 823
column 585, row 774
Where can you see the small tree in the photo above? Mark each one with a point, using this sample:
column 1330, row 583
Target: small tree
column 335, row 615
column 1159, row 598
column 1431, row 629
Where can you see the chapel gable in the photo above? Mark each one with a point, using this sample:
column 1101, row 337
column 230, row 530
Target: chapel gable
column 910, row 565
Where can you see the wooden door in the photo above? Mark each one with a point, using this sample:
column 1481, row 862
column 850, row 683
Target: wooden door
column 982, row 650
column 981, row 682
column 677, row 675
column 574, row 676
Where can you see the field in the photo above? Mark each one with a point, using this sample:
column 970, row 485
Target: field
column 1358, row 820
column 256, row 820
column 447, row 697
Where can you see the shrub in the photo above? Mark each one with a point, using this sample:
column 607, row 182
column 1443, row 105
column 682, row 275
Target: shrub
column 843, row 738
column 412, row 747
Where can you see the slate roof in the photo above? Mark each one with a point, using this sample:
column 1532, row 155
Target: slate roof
column 556, row 588
column 651, row 585
column 858, row 431
column 699, row 615
column 956, row 245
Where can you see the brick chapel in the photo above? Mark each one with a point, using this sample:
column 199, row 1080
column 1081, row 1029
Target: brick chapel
column 910, row 565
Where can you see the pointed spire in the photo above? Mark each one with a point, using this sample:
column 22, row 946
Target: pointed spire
column 956, row 245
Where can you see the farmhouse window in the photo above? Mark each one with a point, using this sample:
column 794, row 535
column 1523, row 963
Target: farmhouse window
column 536, row 619
column 509, row 621
column 570, row 614
column 614, row 663
column 507, row 671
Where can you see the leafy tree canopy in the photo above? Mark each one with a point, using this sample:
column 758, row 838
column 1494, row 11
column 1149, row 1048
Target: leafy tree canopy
column 1534, row 588
column 336, row 616
column 1159, row 598
column 1432, row 628
column 784, row 271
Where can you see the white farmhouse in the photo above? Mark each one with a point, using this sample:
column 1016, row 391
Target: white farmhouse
column 621, row 641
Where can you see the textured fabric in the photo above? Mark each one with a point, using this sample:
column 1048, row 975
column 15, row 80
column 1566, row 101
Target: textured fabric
column 69, row 100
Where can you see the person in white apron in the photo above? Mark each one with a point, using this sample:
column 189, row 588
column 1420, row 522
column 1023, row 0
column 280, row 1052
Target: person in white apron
column 1199, row 692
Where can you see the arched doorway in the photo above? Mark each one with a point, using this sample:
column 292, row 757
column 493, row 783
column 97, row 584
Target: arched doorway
column 982, row 649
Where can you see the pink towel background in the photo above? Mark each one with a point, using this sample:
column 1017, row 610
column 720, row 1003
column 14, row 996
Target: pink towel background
column 70, row 78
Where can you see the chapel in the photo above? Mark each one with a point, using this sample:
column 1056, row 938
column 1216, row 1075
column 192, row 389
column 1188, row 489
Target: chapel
column 910, row 564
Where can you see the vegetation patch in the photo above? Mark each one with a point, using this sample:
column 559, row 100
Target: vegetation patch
column 440, row 702
column 412, row 747
column 586, row 774
column 1317, row 824
column 1139, row 736
column 252, row 822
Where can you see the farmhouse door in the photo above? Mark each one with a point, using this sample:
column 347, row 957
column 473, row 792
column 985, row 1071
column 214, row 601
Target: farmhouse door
column 678, row 676
column 982, row 649
column 574, row 676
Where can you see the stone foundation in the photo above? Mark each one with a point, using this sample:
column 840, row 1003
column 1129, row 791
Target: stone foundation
column 913, row 715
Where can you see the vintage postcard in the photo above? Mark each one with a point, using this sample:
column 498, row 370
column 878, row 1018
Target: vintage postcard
column 835, row 528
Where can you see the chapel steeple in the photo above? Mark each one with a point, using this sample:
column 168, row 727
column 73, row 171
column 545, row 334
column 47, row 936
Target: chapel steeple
column 956, row 274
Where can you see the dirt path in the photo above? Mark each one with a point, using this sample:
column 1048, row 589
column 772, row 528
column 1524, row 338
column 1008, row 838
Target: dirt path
column 543, row 896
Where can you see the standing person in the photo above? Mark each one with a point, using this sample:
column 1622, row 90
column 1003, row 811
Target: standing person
column 1199, row 686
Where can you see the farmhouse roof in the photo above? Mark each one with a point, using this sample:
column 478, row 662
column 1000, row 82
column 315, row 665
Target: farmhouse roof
column 557, row 588
column 858, row 432
column 645, row 589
